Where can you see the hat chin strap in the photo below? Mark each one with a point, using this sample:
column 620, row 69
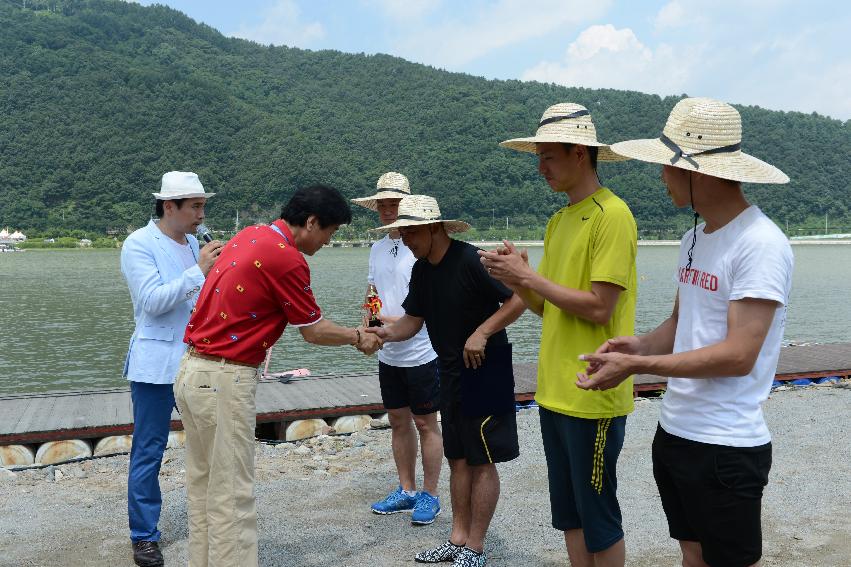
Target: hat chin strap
column 430, row 242
column 694, row 229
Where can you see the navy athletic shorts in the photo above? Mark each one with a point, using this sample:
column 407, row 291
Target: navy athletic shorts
column 582, row 456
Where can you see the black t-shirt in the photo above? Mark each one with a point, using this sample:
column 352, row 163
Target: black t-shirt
column 454, row 297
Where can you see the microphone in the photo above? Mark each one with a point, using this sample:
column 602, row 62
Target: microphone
column 204, row 233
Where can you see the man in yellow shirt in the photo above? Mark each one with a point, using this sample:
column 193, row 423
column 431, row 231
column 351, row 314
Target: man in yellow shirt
column 584, row 289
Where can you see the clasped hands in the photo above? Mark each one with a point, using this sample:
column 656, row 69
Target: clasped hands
column 507, row 264
column 368, row 342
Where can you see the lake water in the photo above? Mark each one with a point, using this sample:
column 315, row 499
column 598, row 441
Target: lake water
column 66, row 317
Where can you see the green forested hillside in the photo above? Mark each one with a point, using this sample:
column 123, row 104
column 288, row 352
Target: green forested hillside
column 98, row 98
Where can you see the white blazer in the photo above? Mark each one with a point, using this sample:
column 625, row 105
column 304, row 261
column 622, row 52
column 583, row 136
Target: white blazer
column 163, row 295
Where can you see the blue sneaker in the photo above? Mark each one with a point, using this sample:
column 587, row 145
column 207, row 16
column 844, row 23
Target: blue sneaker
column 426, row 509
column 397, row 501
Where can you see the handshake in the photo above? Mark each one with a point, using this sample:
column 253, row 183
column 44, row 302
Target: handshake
column 367, row 342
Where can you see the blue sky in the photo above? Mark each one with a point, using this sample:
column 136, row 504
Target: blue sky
column 778, row 54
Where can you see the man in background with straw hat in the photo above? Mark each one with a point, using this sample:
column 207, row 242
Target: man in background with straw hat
column 452, row 293
column 165, row 270
column 720, row 346
column 407, row 370
column 585, row 291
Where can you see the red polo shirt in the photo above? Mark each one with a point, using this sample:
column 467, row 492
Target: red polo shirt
column 259, row 284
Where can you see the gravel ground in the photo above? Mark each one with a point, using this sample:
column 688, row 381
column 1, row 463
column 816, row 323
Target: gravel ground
column 313, row 500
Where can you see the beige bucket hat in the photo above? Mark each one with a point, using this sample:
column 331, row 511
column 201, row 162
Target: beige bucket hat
column 416, row 210
column 564, row 123
column 391, row 185
column 703, row 135
column 181, row 185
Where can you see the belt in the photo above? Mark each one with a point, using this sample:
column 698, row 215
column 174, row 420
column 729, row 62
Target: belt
column 196, row 354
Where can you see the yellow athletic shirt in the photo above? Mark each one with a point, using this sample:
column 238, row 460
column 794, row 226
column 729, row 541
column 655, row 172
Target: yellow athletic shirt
column 594, row 240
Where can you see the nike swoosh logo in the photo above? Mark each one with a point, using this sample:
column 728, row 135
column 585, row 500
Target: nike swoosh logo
column 585, row 218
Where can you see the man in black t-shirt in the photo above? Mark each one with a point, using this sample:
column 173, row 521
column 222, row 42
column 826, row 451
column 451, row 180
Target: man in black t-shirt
column 452, row 293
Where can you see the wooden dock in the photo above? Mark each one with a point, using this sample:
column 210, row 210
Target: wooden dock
column 37, row 418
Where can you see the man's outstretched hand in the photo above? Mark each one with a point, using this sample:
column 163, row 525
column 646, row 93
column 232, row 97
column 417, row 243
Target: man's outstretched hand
column 370, row 340
column 610, row 364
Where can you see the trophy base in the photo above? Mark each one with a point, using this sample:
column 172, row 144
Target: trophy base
column 375, row 323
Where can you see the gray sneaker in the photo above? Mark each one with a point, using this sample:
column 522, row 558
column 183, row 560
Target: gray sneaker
column 446, row 551
column 466, row 557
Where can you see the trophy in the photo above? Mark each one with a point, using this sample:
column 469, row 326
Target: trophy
column 372, row 307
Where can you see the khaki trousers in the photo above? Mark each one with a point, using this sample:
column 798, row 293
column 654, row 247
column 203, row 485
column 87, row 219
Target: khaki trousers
column 216, row 403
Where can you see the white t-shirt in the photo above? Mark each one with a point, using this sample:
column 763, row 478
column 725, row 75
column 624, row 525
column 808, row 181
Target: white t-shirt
column 184, row 253
column 747, row 258
column 391, row 273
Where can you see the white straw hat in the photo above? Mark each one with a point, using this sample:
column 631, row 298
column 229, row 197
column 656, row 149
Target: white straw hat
column 391, row 185
column 417, row 210
column 703, row 135
column 181, row 185
column 564, row 123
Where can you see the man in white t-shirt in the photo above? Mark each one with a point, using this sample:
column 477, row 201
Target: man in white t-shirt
column 720, row 346
column 407, row 370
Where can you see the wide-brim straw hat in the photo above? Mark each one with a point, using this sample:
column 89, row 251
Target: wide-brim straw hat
column 564, row 123
column 703, row 135
column 417, row 210
column 391, row 185
column 181, row 185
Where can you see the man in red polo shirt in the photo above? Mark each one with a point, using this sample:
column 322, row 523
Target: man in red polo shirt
column 258, row 286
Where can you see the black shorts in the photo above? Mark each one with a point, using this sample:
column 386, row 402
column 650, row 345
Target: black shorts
column 712, row 494
column 479, row 440
column 415, row 387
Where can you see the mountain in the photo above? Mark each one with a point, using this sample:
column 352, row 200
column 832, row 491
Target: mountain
column 98, row 98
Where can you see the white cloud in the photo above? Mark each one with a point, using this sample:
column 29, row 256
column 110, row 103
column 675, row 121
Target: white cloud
column 282, row 25
column 407, row 10
column 605, row 57
column 606, row 38
column 458, row 41
column 675, row 15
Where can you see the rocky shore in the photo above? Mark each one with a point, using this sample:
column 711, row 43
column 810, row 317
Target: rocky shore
column 313, row 500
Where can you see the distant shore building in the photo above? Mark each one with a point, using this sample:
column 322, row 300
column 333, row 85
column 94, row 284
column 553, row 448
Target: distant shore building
column 8, row 237
column 8, row 240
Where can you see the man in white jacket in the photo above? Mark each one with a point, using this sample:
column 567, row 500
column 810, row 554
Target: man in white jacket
column 165, row 270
